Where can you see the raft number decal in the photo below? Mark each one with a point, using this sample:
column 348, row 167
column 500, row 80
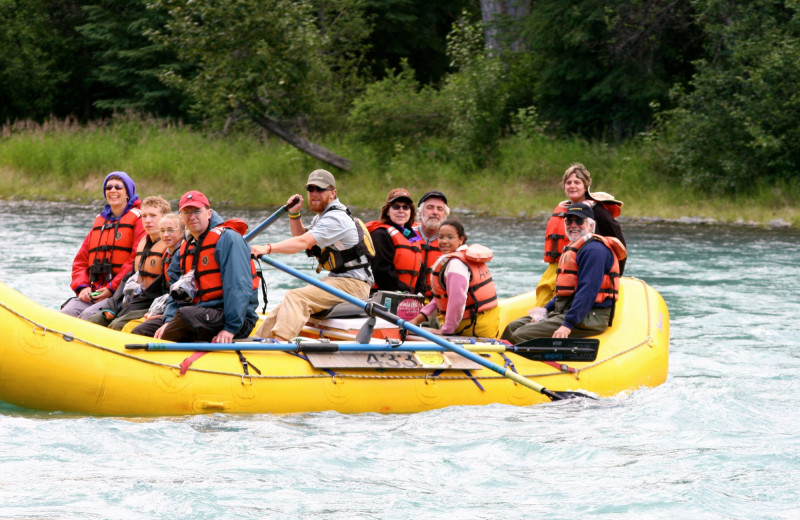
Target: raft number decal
column 392, row 360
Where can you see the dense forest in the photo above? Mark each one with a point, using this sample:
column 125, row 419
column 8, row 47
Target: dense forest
column 714, row 83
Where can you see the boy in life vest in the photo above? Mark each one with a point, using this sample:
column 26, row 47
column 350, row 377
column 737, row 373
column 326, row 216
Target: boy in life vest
column 215, row 294
column 109, row 249
column 464, row 294
column 133, row 297
column 341, row 244
column 587, row 285
column 172, row 231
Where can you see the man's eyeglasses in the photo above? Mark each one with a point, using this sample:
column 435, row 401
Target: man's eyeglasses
column 190, row 212
column 311, row 189
column 118, row 187
column 398, row 207
column 575, row 220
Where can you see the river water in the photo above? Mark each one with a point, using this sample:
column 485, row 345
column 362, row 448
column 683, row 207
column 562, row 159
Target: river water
column 719, row 440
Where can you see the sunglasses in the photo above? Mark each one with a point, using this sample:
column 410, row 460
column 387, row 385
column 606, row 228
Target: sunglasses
column 398, row 207
column 312, row 189
column 118, row 187
column 575, row 220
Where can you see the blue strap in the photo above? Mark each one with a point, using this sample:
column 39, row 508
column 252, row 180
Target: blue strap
column 475, row 380
column 301, row 356
column 508, row 363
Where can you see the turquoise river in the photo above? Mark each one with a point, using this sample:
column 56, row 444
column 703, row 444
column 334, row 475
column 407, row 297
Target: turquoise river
column 719, row 440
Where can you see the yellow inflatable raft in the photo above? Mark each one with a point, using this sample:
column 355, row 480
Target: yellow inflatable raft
column 53, row 362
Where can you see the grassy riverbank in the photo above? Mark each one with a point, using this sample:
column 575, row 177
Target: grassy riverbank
column 65, row 161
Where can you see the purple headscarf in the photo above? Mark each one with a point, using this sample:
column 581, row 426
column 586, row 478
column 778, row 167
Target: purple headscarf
column 130, row 188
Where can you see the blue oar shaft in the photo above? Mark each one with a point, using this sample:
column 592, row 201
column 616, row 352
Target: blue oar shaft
column 294, row 347
column 268, row 222
column 373, row 309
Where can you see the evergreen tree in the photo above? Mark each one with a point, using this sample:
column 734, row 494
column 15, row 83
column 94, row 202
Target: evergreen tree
column 127, row 63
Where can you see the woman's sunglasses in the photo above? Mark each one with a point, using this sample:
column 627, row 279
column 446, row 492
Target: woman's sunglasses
column 398, row 207
column 118, row 187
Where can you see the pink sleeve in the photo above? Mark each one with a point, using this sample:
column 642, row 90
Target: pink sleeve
column 456, row 301
column 428, row 309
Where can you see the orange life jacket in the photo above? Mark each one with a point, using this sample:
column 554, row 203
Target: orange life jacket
column 149, row 259
column 555, row 238
column 567, row 273
column 430, row 254
column 407, row 257
column 481, row 292
column 110, row 246
column 206, row 269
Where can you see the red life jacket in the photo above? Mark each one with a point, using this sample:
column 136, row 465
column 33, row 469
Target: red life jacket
column 111, row 244
column 481, row 292
column 206, row 269
column 567, row 273
column 166, row 260
column 430, row 254
column 407, row 257
column 149, row 259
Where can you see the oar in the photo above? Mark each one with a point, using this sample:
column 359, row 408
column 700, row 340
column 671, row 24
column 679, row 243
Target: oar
column 374, row 309
column 270, row 219
column 542, row 351
column 306, row 347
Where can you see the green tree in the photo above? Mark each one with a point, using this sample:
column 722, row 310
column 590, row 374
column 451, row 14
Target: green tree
column 270, row 59
column 415, row 31
column 739, row 121
column 594, row 66
column 43, row 63
column 127, row 63
column 475, row 94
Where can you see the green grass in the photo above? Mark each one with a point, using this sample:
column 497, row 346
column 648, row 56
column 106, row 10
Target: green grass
column 60, row 160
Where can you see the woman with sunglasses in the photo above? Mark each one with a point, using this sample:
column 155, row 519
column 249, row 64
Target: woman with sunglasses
column 398, row 257
column 109, row 250
column 575, row 182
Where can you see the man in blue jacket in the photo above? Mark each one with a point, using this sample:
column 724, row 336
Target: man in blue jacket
column 218, row 295
column 587, row 285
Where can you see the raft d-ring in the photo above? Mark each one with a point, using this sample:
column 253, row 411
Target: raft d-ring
column 650, row 342
column 432, row 378
column 333, row 378
column 249, row 378
column 36, row 327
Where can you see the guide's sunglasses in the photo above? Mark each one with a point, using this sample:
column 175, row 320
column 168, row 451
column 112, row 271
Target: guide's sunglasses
column 575, row 220
column 398, row 207
column 118, row 187
column 311, row 189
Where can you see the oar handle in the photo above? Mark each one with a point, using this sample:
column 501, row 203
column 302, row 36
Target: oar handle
column 270, row 219
column 382, row 312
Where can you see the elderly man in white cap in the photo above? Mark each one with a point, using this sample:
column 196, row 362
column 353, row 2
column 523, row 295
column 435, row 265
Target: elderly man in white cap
column 336, row 240
column 587, row 285
column 432, row 211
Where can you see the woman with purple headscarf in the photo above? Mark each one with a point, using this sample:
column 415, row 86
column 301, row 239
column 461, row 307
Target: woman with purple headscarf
column 108, row 251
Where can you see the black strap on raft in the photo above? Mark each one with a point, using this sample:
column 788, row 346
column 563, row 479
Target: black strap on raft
column 245, row 364
column 263, row 283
